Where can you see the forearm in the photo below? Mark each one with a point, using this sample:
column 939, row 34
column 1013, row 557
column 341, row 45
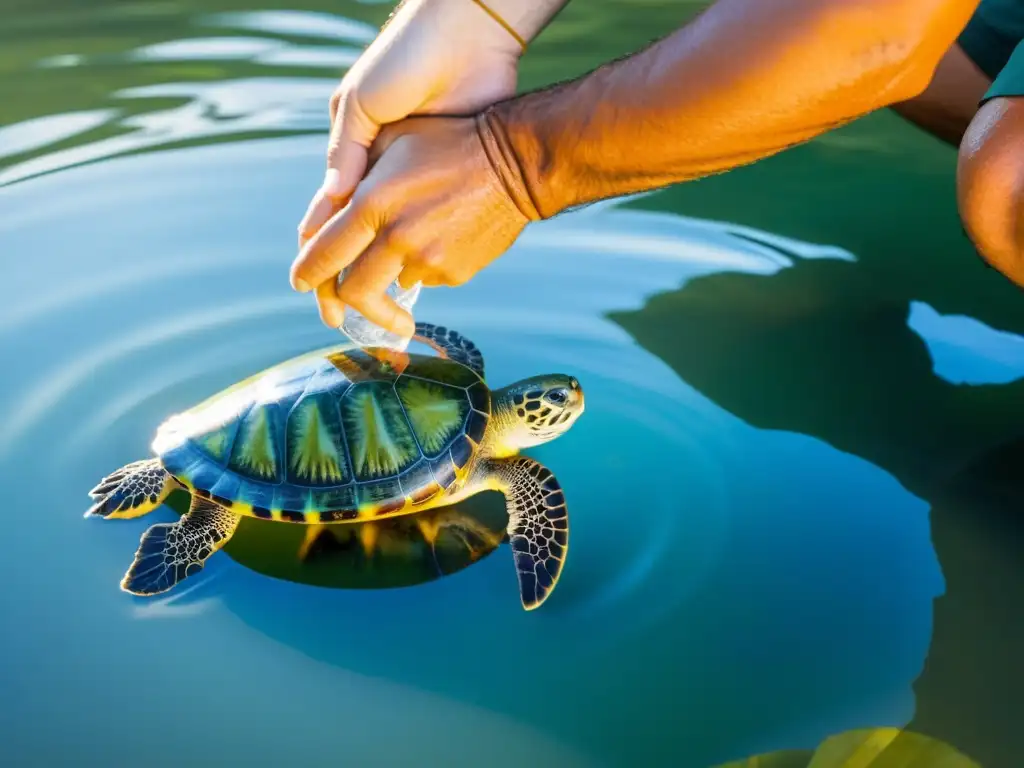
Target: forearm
column 454, row 21
column 744, row 80
column 526, row 17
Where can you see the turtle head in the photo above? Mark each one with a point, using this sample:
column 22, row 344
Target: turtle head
column 539, row 409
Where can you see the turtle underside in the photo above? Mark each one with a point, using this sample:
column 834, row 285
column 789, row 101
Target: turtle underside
column 331, row 437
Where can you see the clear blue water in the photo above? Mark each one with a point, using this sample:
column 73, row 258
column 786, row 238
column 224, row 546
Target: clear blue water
column 788, row 493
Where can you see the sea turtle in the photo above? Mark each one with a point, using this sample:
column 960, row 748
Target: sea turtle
column 349, row 435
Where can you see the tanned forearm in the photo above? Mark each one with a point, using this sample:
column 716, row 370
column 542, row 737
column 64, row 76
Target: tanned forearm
column 744, row 80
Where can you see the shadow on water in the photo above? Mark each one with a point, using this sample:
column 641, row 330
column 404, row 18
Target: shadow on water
column 815, row 350
column 847, row 353
column 970, row 691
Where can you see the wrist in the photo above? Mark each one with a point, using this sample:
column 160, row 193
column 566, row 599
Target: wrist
column 521, row 161
column 526, row 17
column 466, row 27
column 505, row 164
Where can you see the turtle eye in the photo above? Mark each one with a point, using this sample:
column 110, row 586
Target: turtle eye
column 557, row 396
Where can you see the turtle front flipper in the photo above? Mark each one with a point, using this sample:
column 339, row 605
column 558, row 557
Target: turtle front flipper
column 132, row 491
column 538, row 523
column 451, row 344
column 170, row 552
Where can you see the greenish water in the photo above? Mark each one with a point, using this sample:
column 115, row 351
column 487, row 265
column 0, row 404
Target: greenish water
column 795, row 494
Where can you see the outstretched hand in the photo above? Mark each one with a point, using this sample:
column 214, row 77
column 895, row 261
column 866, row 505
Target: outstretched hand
column 432, row 209
column 433, row 57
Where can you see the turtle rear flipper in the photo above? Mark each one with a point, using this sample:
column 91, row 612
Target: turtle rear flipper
column 132, row 491
column 170, row 552
column 538, row 524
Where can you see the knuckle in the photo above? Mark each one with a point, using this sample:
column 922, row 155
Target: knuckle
column 433, row 260
column 361, row 207
column 397, row 239
column 338, row 97
column 326, row 315
column 348, row 293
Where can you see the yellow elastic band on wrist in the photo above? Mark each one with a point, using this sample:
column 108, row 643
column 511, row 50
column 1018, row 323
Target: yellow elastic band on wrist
column 505, row 24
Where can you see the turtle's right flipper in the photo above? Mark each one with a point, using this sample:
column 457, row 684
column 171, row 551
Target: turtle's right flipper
column 170, row 552
column 132, row 491
column 538, row 523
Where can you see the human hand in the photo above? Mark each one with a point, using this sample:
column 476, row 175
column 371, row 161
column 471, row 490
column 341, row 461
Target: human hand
column 432, row 209
column 433, row 57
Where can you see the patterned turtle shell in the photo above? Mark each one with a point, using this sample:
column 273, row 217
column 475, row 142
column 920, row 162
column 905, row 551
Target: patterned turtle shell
column 331, row 437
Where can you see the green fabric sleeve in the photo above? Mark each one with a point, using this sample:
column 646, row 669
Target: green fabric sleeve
column 992, row 40
column 1010, row 81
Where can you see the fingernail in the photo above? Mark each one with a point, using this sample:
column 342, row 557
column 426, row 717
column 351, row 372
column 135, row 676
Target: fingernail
column 301, row 285
column 332, row 183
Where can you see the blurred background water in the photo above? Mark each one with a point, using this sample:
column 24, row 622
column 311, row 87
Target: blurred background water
column 795, row 495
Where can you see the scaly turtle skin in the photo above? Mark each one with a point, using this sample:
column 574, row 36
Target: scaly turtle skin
column 343, row 436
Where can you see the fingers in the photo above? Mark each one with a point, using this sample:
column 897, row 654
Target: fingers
column 388, row 135
column 333, row 248
column 365, row 287
column 330, row 198
column 416, row 272
column 352, row 132
column 332, row 310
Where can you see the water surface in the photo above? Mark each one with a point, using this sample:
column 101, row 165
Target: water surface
column 793, row 495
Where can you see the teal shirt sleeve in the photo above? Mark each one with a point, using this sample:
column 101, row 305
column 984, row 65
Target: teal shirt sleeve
column 1010, row 81
column 993, row 40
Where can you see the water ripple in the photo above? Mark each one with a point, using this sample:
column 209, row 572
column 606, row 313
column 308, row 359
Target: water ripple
column 174, row 374
column 109, row 285
column 40, row 132
column 296, row 24
column 664, row 487
column 275, row 103
column 212, row 110
column 24, row 412
column 553, row 330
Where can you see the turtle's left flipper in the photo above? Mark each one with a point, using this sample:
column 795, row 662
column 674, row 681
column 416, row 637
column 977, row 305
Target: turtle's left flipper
column 538, row 523
column 170, row 552
column 451, row 344
column 132, row 491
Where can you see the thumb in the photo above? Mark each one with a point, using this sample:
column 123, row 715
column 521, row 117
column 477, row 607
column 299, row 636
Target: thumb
column 351, row 134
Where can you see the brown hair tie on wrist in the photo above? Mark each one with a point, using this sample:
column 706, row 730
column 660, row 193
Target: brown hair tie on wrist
column 505, row 24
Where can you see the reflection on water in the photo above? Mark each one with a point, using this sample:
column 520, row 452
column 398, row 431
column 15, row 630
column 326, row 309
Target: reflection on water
column 933, row 399
column 400, row 552
column 967, row 351
column 204, row 109
column 780, row 437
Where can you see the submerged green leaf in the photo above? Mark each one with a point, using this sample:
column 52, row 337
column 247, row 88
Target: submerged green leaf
column 789, row 758
column 869, row 748
column 887, row 748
